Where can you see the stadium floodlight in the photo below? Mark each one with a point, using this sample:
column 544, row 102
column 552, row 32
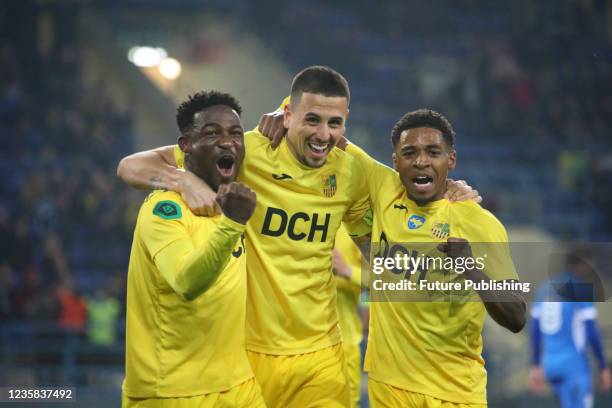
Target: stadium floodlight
column 170, row 68
column 146, row 56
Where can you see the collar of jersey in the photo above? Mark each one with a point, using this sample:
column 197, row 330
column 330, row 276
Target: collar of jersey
column 427, row 208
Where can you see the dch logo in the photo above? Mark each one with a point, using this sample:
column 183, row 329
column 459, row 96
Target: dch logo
column 277, row 221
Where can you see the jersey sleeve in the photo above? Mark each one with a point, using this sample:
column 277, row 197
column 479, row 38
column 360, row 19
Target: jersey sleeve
column 372, row 173
column 375, row 172
column 489, row 241
column 179, row 157
column 284, row 103
column 355, row 218
column 536, row 340
column 187, row 268
column 360, row 196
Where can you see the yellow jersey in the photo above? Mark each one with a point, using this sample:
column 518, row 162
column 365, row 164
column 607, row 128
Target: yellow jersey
column 177, row 347
column 349, row 290
column 291, row 296
column 431, row 348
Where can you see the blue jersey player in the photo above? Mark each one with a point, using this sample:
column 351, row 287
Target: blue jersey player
column 563, row 325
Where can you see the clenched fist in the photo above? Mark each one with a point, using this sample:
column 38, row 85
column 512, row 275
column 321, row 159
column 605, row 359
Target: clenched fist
column 237, row 201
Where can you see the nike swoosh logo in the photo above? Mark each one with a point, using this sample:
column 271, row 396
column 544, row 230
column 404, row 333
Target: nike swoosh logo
column 400, row 207
column 282, row 176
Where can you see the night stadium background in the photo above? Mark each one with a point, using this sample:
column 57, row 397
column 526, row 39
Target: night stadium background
column 527, row 85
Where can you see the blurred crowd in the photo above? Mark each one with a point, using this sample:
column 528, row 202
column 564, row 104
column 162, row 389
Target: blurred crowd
column 65, row 219
column 526, row 85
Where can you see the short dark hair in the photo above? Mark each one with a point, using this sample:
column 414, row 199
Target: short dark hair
column 319, row 79
column 200, row 101
column 424, row 118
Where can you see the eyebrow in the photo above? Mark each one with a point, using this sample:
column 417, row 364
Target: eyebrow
column 219, row 125
column 319, row 116
column 427, row 146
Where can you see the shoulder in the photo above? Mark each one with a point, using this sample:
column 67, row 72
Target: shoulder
column 479, row 221
column 253, row 139
column 164, row 205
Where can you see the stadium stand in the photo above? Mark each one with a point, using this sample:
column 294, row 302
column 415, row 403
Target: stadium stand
column 527, row 85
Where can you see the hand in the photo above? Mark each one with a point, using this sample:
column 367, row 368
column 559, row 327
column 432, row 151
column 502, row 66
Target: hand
column 271, row 126
column 342, row 143
column 340, row 267
column 200, row 198
column 536, row 380
column 237, row 201
column 459, row 190
column 605, row 379
column 456, row 248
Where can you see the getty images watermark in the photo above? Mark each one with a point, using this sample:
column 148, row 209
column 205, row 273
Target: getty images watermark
column 429, row 272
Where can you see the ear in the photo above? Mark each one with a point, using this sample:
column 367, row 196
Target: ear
column 184, row 144
column 394, row 158
column 287, row 116
column 452, row 160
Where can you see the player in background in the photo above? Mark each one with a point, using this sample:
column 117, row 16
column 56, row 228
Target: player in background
column 563, row 325
column 305, row 188
column 347, row 270
column 186, row 291
column 428, row 354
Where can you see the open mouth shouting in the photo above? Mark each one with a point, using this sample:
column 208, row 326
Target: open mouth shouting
column 422, row 184
column 226, row 165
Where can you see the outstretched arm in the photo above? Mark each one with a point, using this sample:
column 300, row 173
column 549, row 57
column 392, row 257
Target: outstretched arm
column 157, row 169
column 151, row 169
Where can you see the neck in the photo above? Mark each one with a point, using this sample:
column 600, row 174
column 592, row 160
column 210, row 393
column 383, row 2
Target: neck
column 206, row 178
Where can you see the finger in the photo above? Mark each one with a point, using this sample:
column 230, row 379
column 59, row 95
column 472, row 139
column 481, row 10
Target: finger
column 267, row 127
column 478, row 199
column 222, row 190
column 262, row 124
column 210, row 208
column 279, row 134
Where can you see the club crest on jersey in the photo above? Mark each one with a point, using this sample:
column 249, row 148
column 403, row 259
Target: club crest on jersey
column 415, row 222
column 440, row 230
column 329, row 185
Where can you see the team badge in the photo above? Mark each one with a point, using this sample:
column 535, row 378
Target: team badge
column 440, row 230
column 415, row 222
column 329, row 185
column 168, row 210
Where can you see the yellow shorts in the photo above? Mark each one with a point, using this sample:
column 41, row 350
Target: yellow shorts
column 245, row 395
column 316, row 379
column 352, row 354
column 387, row 396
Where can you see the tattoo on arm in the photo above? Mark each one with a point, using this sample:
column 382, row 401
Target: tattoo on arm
column 156, row 183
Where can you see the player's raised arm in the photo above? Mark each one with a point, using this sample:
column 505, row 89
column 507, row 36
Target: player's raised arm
column 189, row 269
column 506, row 307
column 157, row 169
column 151, row 169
